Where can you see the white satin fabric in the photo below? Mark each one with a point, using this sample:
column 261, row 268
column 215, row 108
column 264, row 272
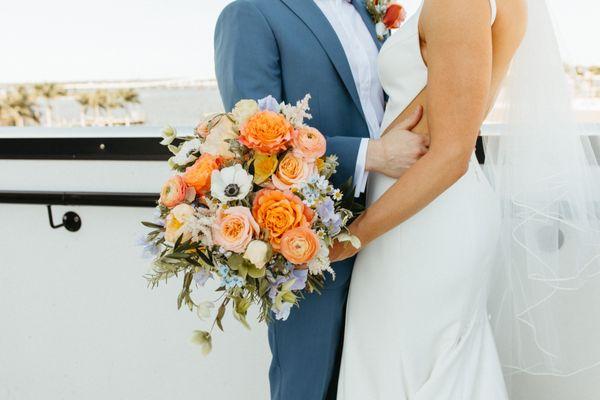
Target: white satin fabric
column 417, row 326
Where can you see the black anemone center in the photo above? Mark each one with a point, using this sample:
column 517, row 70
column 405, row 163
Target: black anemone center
column 232, row 190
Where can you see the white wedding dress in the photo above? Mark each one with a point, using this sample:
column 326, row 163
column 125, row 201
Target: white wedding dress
column 417, row 326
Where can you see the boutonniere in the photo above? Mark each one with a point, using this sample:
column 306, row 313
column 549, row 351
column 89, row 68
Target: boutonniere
column 387, row 15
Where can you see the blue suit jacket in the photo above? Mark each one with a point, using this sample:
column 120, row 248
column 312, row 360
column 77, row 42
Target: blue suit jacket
column 287, row 48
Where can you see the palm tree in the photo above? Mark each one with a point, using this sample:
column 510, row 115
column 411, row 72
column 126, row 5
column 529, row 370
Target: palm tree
column 18, row 107
column 49, row 92
column 95, row 101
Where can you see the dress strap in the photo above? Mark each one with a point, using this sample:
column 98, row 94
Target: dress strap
column 494, row 8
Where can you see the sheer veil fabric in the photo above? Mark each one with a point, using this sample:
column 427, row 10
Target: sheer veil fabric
column 548, row 266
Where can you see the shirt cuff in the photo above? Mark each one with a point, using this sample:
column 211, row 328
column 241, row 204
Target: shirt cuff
column 360, row 173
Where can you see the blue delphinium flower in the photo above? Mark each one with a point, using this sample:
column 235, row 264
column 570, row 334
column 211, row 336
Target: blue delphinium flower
column 268, row 103
column 326, row 210
column 300, row 276
column 201, row 277
column 149, row 249
column 334, row 225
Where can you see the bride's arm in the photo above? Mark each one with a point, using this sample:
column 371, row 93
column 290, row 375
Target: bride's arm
column 459, row 57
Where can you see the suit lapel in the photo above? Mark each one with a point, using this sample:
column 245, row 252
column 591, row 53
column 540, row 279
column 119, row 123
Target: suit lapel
column 362, row 10
column 314, row 19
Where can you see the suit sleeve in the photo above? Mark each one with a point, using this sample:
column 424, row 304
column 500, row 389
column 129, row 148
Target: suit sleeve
column 246, row 55
column 248, row 67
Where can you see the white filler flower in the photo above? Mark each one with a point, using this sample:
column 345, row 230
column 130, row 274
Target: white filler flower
column 231, row 183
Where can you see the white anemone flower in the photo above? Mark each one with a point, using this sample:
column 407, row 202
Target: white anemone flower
column 231, row 183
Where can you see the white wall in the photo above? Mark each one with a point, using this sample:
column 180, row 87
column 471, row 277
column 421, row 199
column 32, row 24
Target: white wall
column 77, row 321
column 76, row 318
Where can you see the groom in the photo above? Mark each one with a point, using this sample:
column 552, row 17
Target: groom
column 328, row 48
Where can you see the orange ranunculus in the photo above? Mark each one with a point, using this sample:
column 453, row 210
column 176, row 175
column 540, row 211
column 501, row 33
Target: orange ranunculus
column 394, row 16
column 299, row 245
column 277, row 212
column 292, row 170
column 198, row 175
column 266, row 132
column 175, row 192
column 309, row 143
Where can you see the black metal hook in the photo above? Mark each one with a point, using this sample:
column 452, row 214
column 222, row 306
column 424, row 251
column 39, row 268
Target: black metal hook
column 71, row 220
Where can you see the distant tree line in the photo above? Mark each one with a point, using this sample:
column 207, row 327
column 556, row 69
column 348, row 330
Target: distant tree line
column 33, row 105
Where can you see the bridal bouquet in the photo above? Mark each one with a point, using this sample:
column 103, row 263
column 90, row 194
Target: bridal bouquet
column 250, row 207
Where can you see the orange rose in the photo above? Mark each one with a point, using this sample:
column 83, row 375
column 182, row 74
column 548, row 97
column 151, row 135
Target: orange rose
column 394, row 16
column 234, row 229
column 291, row 170
column 309, row 143
column 175, row 191
column 299, row 245
column 277, row 212
column 198, row 175
column 266, row 132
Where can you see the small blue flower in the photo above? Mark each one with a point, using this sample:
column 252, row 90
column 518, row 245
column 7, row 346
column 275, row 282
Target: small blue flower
column 313, row 179
column 233, row 281
column 268, row 103
column 322, row 184
column 223, row 270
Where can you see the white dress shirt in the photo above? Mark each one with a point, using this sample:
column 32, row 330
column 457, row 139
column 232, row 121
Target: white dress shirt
column 361, row 53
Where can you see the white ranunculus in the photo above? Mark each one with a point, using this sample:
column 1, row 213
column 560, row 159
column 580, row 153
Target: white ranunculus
column 217, row 141
column 185, row 155
column 231, row 183
column 257, row 253
column 243, row 110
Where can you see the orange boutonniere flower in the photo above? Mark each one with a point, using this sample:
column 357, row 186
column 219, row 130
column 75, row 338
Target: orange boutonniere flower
column 387, row 15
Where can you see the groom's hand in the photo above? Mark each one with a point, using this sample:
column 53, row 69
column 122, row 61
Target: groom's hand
column 398, row 149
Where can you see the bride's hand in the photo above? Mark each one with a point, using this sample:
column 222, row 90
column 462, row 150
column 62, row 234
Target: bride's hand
column 341, row 251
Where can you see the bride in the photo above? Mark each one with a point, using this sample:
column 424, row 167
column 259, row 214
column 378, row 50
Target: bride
column 417, row 320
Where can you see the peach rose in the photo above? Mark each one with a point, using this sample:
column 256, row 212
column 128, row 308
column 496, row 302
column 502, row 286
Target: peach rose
column 198, row 175
column 394, row 16
column 176, row 221
column 266, row 132
column 278, row 212
column 309, row 143
column 175, row 192
column 234, row 229
column 291, row 171
column 299, row 245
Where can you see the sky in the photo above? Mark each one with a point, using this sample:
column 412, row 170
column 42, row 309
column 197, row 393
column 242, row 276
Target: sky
column 73, row 40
